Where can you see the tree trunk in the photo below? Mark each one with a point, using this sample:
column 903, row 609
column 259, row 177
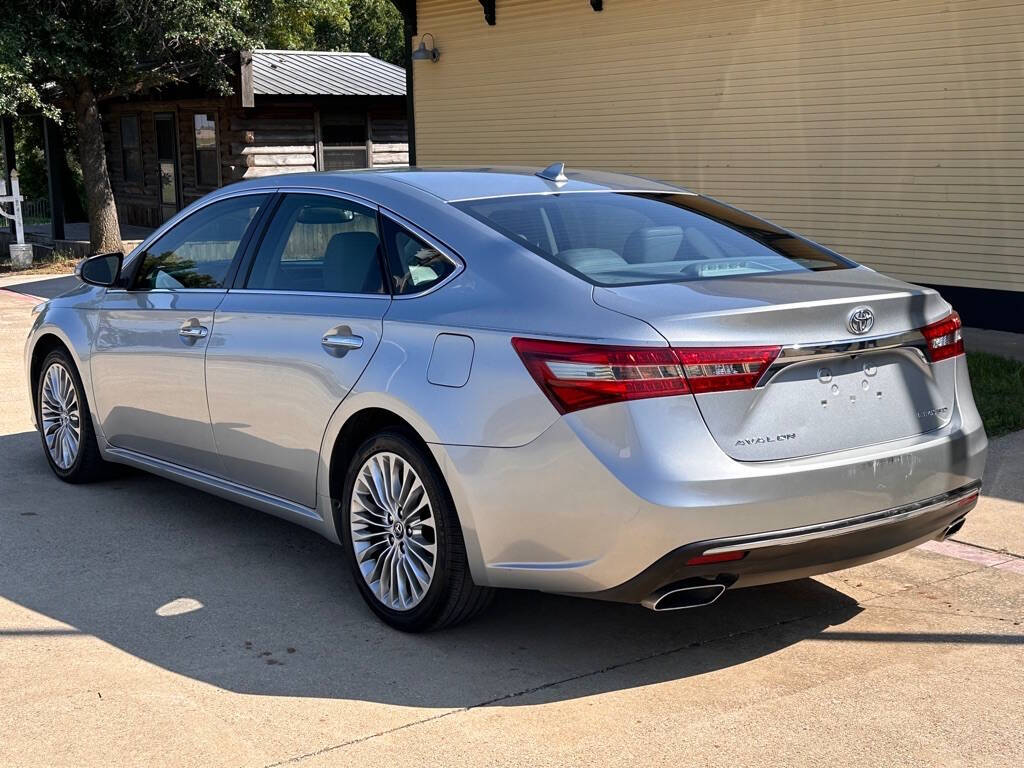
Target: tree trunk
column 104, row 232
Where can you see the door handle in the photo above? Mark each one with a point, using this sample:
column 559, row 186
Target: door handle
column 341, row 341
column 193, row 332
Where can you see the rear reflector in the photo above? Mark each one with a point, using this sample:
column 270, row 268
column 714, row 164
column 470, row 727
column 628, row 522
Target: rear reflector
column 576, row 376
column 718, row 557
column 945, row 338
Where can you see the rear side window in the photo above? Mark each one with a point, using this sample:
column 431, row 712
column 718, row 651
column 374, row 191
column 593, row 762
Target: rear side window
column 197, row 252
column 612, row 238
column 416, row 266
column 319, row 243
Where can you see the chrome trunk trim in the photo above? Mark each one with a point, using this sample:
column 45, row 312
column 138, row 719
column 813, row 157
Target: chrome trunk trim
column 794, row 354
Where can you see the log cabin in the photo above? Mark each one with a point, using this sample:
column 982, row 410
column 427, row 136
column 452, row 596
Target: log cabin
column 290, row 111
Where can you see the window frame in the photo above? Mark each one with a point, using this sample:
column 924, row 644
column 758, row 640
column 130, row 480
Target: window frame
column 215, row 149
column 249, row 258
column 141, row 180
column 135, row 260
column 403, row 223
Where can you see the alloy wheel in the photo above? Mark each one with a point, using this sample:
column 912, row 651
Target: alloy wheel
column 394, row 534
column 60, row 416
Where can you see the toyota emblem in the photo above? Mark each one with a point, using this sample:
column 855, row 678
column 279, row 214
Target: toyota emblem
column 860, row 320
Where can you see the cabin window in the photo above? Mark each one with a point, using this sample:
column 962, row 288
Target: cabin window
column 207, row 170
column 131, row 149
column 344, row 142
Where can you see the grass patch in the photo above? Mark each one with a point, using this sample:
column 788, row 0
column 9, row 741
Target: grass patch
column 57, row 263
column 998, row 385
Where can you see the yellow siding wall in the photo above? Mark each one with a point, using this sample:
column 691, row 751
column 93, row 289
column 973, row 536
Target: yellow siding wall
column 891, row 130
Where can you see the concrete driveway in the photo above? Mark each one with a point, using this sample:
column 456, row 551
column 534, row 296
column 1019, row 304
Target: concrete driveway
column 144, row 623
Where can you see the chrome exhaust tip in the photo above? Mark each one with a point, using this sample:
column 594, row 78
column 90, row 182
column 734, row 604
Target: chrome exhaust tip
column 677, row 598
column 952, row 528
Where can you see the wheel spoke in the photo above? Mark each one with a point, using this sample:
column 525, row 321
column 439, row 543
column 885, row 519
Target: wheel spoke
column 60, row 415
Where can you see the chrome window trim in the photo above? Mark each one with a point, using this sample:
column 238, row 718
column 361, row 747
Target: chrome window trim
column 433, row 242
column 847, row 525
column 794, row 354
column 332, row 294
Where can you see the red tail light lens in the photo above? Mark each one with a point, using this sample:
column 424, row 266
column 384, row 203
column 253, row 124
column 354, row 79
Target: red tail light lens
column 718, row 557
column 945, row 338
column 577, row 376
column 726, row 368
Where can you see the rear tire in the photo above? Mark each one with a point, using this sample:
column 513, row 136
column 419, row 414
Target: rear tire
column 403, row 540
column 65, row 425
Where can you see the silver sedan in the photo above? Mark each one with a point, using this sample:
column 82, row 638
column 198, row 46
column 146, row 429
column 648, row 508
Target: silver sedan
column 582, row 383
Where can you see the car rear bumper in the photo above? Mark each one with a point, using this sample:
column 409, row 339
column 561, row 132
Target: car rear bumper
column 796, row 553
column 606, row 494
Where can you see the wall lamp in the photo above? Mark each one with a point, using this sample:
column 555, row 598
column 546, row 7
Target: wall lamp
column 423, row 53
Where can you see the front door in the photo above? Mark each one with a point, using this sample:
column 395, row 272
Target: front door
column 148, row 359
column 167, row 160
column 291, row 341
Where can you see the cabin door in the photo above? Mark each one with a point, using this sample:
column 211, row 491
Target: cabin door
column 167, row 160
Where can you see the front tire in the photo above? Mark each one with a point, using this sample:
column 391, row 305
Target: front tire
column 65, row 426
column 403, row 540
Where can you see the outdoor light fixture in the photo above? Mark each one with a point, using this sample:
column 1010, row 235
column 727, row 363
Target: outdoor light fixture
column 423, row 53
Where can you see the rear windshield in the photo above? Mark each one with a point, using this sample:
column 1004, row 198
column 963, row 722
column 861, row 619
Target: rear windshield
column 617, row 238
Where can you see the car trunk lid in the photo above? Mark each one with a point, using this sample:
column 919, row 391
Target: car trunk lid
column 830, row 389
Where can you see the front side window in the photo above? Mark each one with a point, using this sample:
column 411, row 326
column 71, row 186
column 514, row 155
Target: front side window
column 197, row 252
column 131, row 149
column 415, row 265
column 614, row 238
column 207, row 172
column 319, row 243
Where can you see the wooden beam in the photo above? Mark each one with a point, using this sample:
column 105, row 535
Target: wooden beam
column 53, row 148
column 245, row 72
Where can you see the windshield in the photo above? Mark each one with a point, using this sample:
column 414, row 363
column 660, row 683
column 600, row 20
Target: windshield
column 616, row 238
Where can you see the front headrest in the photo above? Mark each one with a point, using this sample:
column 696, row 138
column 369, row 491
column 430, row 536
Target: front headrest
column 652, row 244
column 351, row 264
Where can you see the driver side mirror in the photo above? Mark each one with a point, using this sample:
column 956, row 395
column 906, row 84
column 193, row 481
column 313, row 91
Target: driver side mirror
column 102, row 269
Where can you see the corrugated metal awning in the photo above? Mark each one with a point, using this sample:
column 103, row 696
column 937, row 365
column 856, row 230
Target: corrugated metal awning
column 324, row 73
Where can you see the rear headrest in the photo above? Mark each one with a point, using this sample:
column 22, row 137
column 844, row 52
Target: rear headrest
column 588, row 260
column 651, row 244
column 351, row 264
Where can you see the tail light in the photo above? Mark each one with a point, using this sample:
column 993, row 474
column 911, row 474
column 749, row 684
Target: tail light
column 945, row 338
column 576, row 376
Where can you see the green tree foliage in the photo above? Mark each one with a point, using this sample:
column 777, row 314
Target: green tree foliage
column 64, row 56
column 374, row 26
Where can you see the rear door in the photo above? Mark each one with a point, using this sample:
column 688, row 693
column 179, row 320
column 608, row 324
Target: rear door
column 151, row 340
column 292, row 338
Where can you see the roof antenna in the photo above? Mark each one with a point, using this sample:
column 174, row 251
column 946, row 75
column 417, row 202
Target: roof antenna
column 554, row 172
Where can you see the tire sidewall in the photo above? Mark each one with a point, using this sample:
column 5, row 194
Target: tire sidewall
column 422, row 614
column 84, row 423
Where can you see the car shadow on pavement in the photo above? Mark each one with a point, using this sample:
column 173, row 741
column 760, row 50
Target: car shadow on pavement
column 238, row 599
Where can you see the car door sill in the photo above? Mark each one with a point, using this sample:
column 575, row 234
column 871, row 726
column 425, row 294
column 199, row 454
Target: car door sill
column 218, row 486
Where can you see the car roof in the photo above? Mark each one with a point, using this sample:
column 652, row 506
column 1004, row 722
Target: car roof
column 453, row 184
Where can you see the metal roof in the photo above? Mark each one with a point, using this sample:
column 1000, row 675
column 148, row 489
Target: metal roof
column 324, row 73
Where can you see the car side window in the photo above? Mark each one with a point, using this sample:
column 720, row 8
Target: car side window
column 198, row 251
column 319, row 243
column 416, row 266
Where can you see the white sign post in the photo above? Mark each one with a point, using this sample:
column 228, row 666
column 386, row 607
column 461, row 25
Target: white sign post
column 21, row 253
